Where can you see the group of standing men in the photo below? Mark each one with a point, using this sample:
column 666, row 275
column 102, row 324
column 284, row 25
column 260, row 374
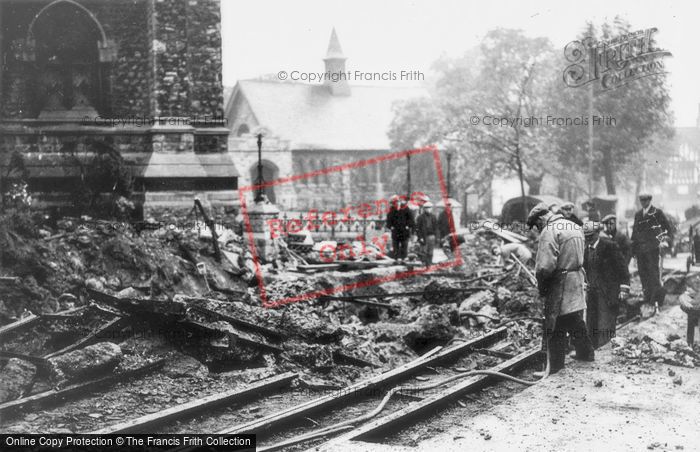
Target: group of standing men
column 580, row 269
column 428, row 228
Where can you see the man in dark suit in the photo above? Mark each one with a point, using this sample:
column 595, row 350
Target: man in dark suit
column 399, row 221
column 651, row 231
column 427, row 230
column 608, row 284
column 621, row 240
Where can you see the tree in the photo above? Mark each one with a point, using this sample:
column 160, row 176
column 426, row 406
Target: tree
column 507, row 77
column 640, row 110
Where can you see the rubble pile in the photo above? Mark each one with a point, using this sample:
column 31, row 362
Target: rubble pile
column 84, row 363
column 56, row 262
column 170, row 298
column 643, row 348
column 15, row 377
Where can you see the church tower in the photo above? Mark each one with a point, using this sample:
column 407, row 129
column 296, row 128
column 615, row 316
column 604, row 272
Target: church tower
column 335, row 64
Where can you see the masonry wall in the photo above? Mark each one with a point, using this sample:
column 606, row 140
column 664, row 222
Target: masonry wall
column 169, row 51
column 125, row 21
column 168, row 64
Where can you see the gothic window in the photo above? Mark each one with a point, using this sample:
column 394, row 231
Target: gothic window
column 242, row 130
column 69, row 48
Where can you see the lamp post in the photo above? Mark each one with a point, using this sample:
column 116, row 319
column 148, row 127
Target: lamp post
column 408, row 174
column 449, row 167
column 259, row 195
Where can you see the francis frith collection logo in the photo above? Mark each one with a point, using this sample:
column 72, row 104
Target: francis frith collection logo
column 614, row 62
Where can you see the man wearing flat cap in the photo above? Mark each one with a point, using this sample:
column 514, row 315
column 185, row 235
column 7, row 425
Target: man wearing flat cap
column 650, row 232
column 560, row 281
column 611, row 232
column 608, row 284
column 567, row 210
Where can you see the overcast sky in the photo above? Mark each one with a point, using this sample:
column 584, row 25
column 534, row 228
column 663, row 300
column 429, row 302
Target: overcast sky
column 267, row 36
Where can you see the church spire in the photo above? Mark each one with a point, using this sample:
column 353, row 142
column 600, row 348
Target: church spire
column 335, row 65
column 334, row 49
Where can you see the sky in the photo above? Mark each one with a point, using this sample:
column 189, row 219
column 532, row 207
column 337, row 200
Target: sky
column 268, row 36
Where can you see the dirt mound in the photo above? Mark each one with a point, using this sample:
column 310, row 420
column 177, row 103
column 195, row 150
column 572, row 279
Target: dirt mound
column 71, row 254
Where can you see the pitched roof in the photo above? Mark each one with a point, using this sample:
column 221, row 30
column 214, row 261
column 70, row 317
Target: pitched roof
column 312, row 118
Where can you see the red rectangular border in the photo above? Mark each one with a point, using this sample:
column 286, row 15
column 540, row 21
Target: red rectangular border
column 334, row 169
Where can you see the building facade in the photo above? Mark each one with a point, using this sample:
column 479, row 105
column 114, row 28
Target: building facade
column 140, row 78
column 309, row 127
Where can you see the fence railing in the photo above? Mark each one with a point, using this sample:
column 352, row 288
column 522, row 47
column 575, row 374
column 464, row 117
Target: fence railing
column 334, row 229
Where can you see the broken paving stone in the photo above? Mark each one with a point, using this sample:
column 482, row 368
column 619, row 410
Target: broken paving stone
column 476, row 301
column 430, row 329
column 86, row 362
column 15, row 377
column 180, row 365
column 94, row 284
column 129, row 292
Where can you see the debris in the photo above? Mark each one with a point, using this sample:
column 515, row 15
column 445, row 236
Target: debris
column 431, row 328
column 15, row 378
column 476, row 301
column 85, row 362
column 598, row 383
column 129, row 292
column 678, row 380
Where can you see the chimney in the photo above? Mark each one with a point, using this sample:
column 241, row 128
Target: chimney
column 336, row 78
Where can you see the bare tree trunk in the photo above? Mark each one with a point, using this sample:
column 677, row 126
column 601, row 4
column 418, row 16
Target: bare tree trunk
column 521, row 178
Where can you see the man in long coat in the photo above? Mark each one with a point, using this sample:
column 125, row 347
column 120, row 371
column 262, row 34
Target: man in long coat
column 608, row 284
column 427, row 231
column 399, row 220
column 611, row 232
column 560, row 281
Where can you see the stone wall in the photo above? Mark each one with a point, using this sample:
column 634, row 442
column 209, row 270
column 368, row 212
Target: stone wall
column 168, row 64
column 126, row 80
column 188, row 58
column 182, row 38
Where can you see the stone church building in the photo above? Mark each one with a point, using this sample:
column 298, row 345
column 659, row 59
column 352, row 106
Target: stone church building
column 138, row 77
column 309, row 127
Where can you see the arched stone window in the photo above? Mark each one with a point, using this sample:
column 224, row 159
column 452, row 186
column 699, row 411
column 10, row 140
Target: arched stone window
column 242, row 130
column 68, row 48
column 270, row 172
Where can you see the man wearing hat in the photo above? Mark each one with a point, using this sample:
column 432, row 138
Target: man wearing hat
column 621, row 240
column 608, row 284
column 560, row 281
column 427, row 230
column 399, row 220
column 650, row 232
column 567, row 210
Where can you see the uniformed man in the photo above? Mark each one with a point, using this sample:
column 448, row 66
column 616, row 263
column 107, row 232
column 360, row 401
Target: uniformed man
column 620, row 238
column 560, row 281
column 650, row 232
column 608, row 284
